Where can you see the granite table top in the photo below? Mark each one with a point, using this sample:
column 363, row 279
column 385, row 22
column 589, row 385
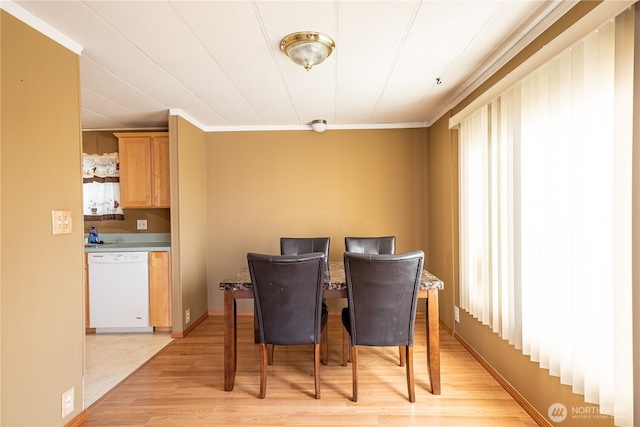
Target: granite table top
column 334, row 280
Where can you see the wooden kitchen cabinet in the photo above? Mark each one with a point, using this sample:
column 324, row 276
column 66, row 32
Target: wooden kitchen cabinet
column 160, row 290
column 144, row 169
column 85, row 283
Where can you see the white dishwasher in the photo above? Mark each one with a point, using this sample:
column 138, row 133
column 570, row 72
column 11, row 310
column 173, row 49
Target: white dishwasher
column 119, row 291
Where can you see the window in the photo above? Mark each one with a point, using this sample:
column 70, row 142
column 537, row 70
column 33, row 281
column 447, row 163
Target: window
column 545, row 217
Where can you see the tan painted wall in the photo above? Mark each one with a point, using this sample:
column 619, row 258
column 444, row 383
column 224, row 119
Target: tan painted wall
column 265, row 185
column 158, row 221
column 41, row 278
column 636, row 223
column 188, row 221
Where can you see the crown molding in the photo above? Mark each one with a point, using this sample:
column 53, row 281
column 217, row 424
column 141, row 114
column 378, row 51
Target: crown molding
column 44, row 28
column 605, row 11
column 266, row 128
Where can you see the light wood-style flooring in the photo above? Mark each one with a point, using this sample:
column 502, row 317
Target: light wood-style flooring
column 183, row 386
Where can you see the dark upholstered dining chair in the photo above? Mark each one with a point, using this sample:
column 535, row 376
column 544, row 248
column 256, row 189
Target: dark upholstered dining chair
column 371, row 245
column 382, row 291
column 288, row 300
column 306, row 245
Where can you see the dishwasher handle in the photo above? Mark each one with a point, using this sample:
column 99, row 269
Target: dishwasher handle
column 118, row 258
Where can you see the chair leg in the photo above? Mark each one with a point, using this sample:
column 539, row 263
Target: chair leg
column 402, row 355
column 324, row 343
column 263, row 370
column 316, row 368
column 270, row 348
column 345, row 345
column 410, row 382
column 354, row 370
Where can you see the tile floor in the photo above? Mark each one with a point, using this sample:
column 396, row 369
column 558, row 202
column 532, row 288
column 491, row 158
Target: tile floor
column 110, row 358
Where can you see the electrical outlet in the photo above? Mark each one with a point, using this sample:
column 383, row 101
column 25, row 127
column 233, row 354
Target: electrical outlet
column 142, row 224
column 60, row 222
column 187, row 315
column 67, row 402
column 456, row 313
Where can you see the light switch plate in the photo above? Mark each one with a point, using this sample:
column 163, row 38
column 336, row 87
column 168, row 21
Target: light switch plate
column 61, row 222
column 142, row 224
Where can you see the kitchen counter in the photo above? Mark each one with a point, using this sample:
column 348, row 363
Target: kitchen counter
column 131, row 242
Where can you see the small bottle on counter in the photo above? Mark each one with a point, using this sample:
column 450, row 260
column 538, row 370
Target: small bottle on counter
column 93, row 235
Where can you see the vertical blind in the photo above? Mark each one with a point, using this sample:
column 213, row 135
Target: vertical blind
column 545, row 217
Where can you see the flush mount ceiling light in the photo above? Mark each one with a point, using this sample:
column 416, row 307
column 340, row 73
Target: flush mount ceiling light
column 319, row 125
column 307, row 48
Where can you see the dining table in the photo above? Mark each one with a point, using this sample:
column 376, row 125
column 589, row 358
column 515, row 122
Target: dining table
column 239, row 286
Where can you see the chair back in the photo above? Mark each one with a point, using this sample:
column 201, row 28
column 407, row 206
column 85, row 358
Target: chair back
column 304, row 245
column 287, row 290
column 382, row 290
column 371, row 245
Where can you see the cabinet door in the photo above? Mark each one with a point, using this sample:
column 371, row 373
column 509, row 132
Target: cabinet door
column 135, row 171
column 159, row 289
column 160, row 167
column 85, row 283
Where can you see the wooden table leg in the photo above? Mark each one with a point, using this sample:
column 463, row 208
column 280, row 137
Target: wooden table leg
column 433, row 340
column 230, row 340
column 256, row 328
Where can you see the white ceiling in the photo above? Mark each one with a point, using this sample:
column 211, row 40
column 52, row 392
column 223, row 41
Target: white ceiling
column 218, row 63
